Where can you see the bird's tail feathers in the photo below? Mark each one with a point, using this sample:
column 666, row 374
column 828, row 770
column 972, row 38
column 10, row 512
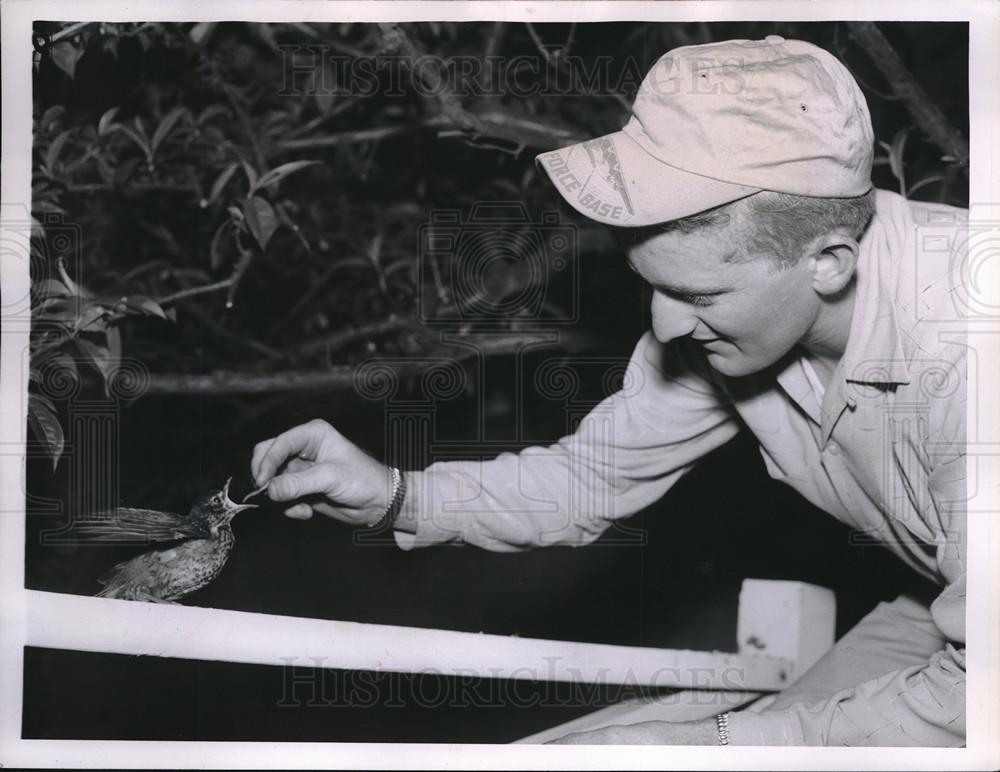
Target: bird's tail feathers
column 126, row 525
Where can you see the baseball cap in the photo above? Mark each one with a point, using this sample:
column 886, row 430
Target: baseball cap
column 717, row 122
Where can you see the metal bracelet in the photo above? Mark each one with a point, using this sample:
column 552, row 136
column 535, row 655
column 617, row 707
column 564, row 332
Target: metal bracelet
column 388, row 517
column 722, row 724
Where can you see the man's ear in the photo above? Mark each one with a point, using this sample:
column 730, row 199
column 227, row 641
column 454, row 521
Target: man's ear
column 834, row 258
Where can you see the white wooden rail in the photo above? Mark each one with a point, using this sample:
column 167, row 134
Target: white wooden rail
column 792, row 620
column 125, row 627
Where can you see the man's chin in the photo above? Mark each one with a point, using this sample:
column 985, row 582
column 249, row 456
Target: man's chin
column 735, row 366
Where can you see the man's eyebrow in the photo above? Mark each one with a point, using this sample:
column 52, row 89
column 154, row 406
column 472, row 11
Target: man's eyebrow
column 684, row 291
column 691, row 291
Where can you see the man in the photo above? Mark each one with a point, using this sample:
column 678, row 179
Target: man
column 789, row 297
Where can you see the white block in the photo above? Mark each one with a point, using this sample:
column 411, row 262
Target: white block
column 792, row 620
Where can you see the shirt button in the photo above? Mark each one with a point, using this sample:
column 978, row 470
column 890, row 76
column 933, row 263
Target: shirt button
column 774, row 39
column 832, row 448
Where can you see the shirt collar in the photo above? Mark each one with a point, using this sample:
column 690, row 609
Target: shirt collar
column 875, row 354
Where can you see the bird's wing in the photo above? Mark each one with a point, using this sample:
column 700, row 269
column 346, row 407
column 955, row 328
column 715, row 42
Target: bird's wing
column 163, row 574
column 145, row 571
column 126, row 524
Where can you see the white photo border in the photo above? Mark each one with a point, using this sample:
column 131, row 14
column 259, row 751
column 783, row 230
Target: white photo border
column 983, row 637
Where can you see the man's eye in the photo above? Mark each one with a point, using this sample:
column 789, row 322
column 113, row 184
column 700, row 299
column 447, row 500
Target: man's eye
column 693, row 300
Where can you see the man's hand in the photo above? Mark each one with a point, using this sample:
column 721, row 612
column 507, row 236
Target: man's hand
column 317, row 468
column 701, row 732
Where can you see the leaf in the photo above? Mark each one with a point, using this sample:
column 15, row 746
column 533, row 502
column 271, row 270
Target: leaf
column 105, row 122
column 45, row 425
column 64, row 311
column 99, row 356
column 89, row 318
column 65, row 55
column 132, row 134
column 216, row 256
column 44, row 400
column 50, row 116
column 266, row 34
column 260, row 219
column 49, row 288
column 251, row 175
column 210, row 112
column 280, row 172
column 146, row 306
column 324, row 82
column 929, row 180
column 220, row 182
column 895, row 152
column 125, row 170
column 165, row 127
column 55, row 149
column 114, row 350
column 201, row 31
column 72, row 286
column 304, row 28
column 47, row 206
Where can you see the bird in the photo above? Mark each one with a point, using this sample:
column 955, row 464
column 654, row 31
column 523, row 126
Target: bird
column 163, row 576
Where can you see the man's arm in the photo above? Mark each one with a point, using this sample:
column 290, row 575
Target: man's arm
column 625, row 455
column 921, row 705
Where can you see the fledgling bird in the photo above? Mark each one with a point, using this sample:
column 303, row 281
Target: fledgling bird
column 163, row 576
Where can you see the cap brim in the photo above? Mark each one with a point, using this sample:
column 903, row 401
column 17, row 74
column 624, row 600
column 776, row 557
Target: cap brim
column 613, row 180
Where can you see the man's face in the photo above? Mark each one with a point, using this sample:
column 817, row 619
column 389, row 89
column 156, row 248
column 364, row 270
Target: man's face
column 746, row 314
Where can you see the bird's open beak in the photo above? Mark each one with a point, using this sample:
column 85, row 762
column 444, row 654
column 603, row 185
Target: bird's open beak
column 231, row 506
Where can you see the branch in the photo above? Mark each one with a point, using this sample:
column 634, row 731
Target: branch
column 235, row 338
column 342, row 376
column 395, row 39
column 495, row 125
column 339, row 340
column 147, row 187
column 191, row 292
column 68, row 31
column 925, row 112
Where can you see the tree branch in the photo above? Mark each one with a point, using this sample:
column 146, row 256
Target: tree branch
column 395, row 39
column 191, row 292
column 925, row 112
column 342, row 376
column 494, row 125
column 339, row 340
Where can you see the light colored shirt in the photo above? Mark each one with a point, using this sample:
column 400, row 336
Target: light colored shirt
column 882, row 449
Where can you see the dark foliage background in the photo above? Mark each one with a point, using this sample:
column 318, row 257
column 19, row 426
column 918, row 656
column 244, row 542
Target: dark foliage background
column 186, row 299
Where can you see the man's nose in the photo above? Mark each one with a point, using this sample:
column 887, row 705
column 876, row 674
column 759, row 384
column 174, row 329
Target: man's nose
column 671, row 318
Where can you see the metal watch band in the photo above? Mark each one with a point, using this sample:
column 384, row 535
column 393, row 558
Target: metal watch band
column 388, row 518
column 722, row 724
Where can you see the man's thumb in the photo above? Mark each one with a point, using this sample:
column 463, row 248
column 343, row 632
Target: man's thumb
column 306, row 482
